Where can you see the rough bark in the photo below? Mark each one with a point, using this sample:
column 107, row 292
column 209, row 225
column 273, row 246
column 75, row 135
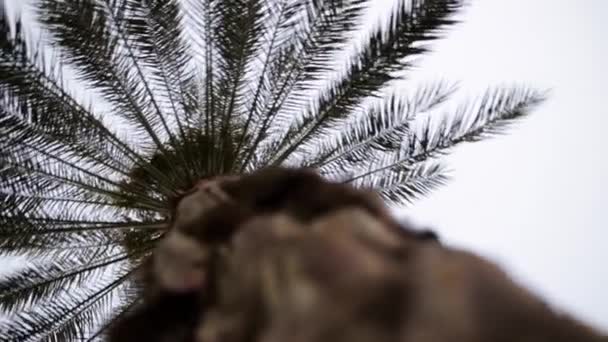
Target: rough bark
column 330, row 268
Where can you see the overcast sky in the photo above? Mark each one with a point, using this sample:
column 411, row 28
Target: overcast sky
column 533, row 200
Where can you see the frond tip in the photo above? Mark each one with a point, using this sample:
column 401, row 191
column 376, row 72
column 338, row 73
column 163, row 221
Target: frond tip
column 487, row 116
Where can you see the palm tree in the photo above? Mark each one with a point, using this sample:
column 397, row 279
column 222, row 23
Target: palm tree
column 124, row 103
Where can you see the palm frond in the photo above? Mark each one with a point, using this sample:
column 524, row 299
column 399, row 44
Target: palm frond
column 70, row 317
column 200, row 18
column 267, row 78
column 316, row 32
column 385, row 52
column 131, row 299
column 50, row 279
column 489, row 115
column 156, row 29
column 238, row 32
column 41, row 233
column 92, row 38
column 380, row 129
column 403, row 185
column 37, row 110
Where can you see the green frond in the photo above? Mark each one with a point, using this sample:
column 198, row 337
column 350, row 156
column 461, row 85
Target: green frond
column 131, row 299
column 267, row 78
column 489, row 115
column 71, row 317
column 35, row 223
column 49, row 279
column 155, row 29
column 239, row 32
column 47, row 236
column 65, row 179
column 315, row 31
column 200, row 18
column 36, row 109
column 92, row 39
column 385, row 52
column 380, row 129
column 403, row 185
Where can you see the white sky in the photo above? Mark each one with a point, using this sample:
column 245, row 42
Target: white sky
column 532, row 200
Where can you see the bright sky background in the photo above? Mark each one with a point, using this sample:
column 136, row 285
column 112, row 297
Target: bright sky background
column 533, row 200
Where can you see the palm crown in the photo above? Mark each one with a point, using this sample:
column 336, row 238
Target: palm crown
column 183, row 90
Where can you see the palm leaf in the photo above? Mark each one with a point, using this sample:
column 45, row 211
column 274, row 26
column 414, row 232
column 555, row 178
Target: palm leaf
column 381, row 128
column 71, row 317
column 91, row 35
column 403, row 185
column 490, row 115
column 384, row 52
column 52, row 279
column 313, row 39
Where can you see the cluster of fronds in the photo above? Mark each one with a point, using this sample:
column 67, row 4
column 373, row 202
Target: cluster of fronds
column 183, row 90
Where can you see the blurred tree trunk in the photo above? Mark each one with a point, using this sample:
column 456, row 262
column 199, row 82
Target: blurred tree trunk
column 344, row 279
